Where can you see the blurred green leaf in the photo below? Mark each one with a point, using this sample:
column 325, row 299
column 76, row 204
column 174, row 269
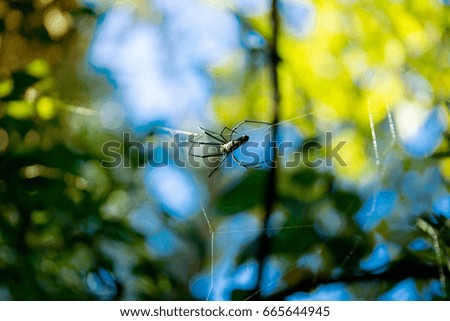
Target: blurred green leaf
column 245, row 195
column 21, row 109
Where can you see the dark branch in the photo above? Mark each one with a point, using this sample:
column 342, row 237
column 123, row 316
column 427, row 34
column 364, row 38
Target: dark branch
column 396, row 273
column 271, row 192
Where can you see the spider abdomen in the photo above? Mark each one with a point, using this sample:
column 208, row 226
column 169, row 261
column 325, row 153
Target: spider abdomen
column 233, row 144
column 228, row 147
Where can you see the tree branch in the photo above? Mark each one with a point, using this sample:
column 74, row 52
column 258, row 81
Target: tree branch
column 399, row 271
column 271, row 192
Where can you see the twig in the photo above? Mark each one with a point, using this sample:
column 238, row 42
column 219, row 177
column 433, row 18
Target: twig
column 397, row 272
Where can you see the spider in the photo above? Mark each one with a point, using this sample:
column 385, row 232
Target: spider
column 227, row 146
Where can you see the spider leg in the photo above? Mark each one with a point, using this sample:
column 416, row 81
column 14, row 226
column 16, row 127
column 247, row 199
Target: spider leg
column 214, row 135
column 222, row 132
column 193, row 141
column 205, row 156
column 247, row 121
column 209, row 131
column 204, row 143
column 218, row 165
column 250, row 165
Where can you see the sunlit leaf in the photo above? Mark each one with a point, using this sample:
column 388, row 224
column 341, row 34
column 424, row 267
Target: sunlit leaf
column 21, row 109
column 45, row 108
column 38, row 68
column 6, row 87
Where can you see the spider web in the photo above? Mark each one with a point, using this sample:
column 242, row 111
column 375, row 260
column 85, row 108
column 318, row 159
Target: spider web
column 214, row 232
column 209, row 221
column 380, row 154
column 381, row 165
